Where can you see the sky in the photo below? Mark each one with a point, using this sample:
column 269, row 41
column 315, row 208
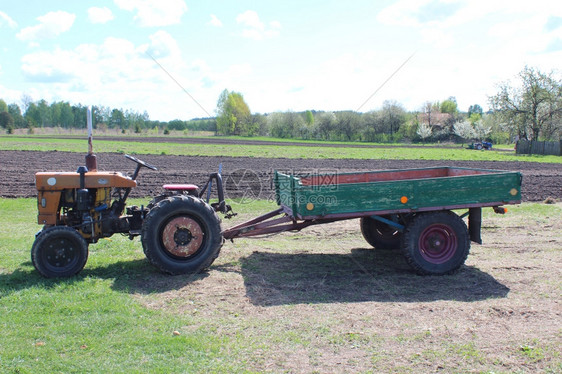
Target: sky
column 173, row 58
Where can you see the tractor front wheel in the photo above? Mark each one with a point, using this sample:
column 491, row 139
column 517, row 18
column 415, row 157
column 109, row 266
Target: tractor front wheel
column 59, row 251
column 181, row 234
column 436, row 243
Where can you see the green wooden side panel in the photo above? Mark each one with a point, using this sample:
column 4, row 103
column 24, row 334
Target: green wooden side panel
column 321, row 200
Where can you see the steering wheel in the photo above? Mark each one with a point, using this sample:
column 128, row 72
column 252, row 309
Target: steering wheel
column 141, row 162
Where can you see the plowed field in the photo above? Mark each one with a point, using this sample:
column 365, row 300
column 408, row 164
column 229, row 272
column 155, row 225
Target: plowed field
column 250, row 175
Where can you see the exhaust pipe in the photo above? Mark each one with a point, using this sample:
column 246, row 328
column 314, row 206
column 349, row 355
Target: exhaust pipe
column 91, row 161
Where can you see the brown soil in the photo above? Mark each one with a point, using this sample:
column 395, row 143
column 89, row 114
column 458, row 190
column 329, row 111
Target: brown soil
column 248, row 175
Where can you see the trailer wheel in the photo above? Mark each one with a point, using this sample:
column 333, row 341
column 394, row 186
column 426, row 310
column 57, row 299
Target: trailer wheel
column 436, row 243
column 181, row 234
column 59, row 251
column 379, row 234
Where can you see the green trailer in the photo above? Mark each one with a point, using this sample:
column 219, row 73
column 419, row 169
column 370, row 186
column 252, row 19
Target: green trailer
column 419, row 211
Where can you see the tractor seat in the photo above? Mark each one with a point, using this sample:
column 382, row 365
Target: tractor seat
column 180, row 187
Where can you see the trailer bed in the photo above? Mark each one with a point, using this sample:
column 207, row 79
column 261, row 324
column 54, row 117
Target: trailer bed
column 348, row 195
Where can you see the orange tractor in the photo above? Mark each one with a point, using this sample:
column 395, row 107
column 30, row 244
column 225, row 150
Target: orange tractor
column 179, row 230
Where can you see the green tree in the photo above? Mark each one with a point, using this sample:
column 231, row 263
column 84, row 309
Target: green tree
column 117, row 119
column 79, row 112
column 7, row 122
column 3, row 106
column 325, row 124
column 309, row 118
column 475, row 109
column 66, row 115
column 393, row 115
column 285, row 124
column 259, row 121
column 449, row 106
column 348, row 124
column 234, row 117
column 55, row 113
column 15, row 112
column 45, row 118
column 533, row 108
column 474, row 117
column 32, row 115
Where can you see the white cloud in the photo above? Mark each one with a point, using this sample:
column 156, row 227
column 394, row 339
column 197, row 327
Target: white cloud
column 50, row 25
column 118, row 74
column 100, row 15
column 7, row 20
column 250, row 19
column 254, row 28
column 155, row 13
column 215, row 21
column 162, row 45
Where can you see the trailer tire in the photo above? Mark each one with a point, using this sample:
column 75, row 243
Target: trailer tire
column 380, row 235
column 181, row 234
column 436, row 243
column 59, row 251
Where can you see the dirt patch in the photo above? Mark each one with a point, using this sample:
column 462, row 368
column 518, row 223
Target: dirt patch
column 322, row 301
column 17, row 169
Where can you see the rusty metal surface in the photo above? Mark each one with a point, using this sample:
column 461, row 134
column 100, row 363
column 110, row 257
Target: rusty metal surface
column 182, row 236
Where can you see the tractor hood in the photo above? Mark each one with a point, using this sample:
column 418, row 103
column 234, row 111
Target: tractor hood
column 53, row 181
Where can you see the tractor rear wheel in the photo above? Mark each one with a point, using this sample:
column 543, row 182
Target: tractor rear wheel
column 436, row 243
column 379, row 234
column 181, row 234
column 59, row 251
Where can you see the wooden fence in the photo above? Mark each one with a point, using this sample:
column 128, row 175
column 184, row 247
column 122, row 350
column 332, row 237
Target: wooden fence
column 539, row 148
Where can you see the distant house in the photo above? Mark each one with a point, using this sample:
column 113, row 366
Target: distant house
column 436, row 120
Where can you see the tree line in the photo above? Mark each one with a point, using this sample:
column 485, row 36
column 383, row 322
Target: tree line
column 530, row 108
column 31, row 115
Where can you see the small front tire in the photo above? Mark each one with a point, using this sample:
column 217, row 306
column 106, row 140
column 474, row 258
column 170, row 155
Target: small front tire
column 58, row 252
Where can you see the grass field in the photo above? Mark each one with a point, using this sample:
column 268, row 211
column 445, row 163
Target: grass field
column 314, row 301
column 335, row 151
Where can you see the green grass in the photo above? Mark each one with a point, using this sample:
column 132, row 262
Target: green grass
column 91, row 322
column 266, row 305
column 337, row 151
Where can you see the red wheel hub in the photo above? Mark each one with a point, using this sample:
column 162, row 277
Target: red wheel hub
column 438, row 243
column 182, row 236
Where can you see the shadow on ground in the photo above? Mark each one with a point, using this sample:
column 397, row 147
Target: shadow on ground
column 362, row 275
column 135, row 276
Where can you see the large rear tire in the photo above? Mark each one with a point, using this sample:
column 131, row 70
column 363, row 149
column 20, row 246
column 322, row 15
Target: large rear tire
column 59, row 251
column 436, row 243
column 181, row 234
column 379, row 234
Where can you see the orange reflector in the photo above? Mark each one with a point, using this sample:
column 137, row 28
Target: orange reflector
column 404, row 199
column 309, row 206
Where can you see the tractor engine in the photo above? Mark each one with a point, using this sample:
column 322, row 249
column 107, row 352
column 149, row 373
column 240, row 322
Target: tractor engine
column 83, row 200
